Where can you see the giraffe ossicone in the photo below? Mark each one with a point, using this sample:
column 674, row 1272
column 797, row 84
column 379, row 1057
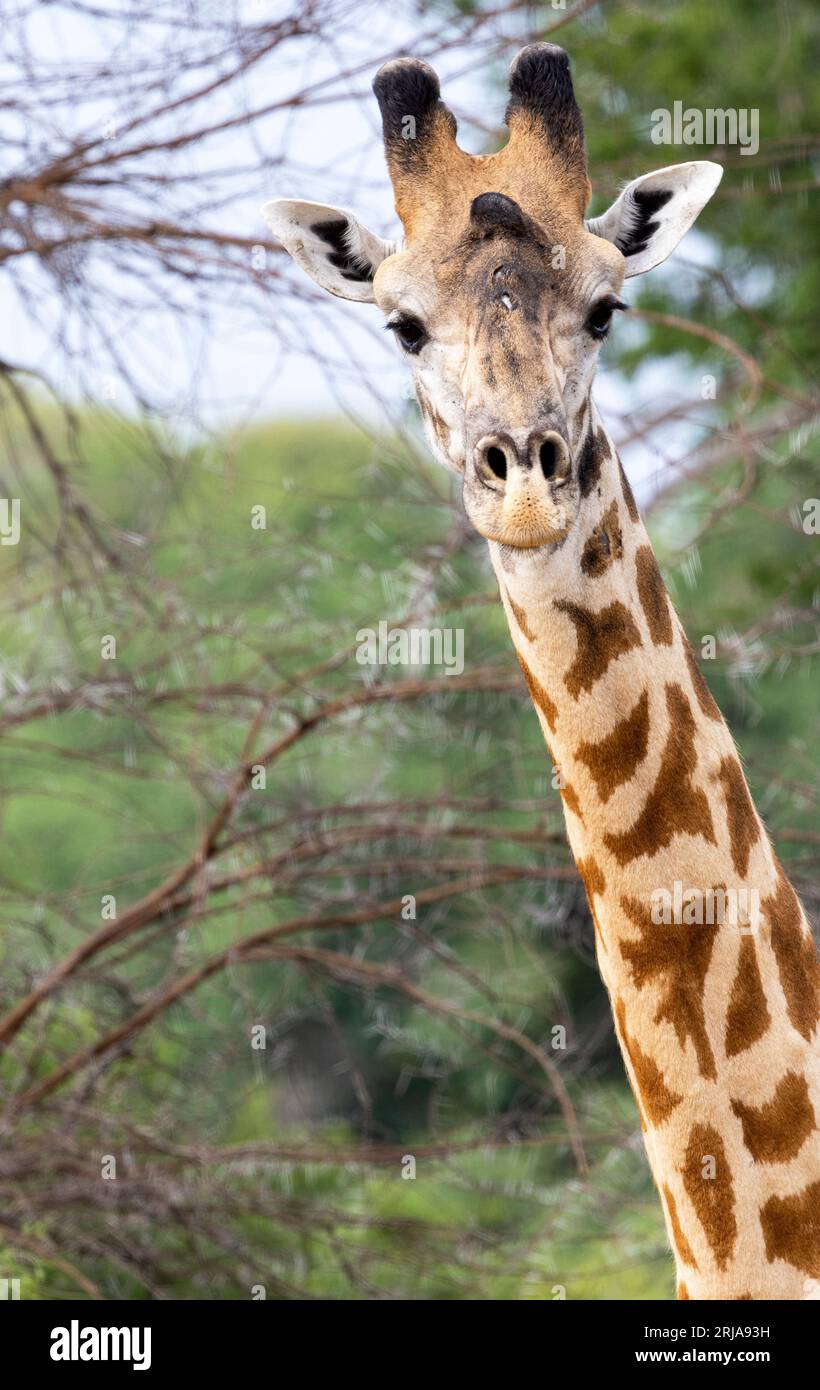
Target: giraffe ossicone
column 499, row 296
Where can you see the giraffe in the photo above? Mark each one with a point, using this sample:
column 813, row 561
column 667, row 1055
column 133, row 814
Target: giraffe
column 499, row 297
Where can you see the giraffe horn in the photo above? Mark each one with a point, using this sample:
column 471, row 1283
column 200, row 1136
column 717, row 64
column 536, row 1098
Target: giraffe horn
column 419, row 130
column 544, row 118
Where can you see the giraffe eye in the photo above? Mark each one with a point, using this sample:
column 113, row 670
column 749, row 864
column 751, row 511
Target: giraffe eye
column 409, row 332
column 600, row 318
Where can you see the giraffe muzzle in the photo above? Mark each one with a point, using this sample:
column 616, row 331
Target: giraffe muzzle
column 519, row 493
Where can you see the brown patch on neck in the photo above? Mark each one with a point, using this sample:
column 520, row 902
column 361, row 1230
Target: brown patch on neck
column 593, row 878
column 677, row 958
column 744, row 827
column 614, row 759
column 713, row 1198
column 703, row 694
column 653, row 596
column 594, row 883
column 674, row 806
column 629, row 496
column 655, row 1097
column 538, row 694
column 570, row 799
column 603, row 545
column 602, row 637
column 747, row 1017
column 683, row 1292
column 776, row 1132
column 791, row 1229
column 521, row 618
column 679, row 1240
column 796, row 956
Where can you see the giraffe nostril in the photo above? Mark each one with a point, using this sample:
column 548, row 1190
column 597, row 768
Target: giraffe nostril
column 553, row 456
column 497, row 461
column 548, row 456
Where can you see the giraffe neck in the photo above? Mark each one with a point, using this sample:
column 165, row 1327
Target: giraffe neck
column 716, row 1010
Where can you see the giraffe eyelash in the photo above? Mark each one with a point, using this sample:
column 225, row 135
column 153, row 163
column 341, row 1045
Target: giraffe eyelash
column 409, row 332
column 599, row 319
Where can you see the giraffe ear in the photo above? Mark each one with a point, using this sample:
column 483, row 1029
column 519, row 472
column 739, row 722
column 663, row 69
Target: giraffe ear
column 330, row 244
column 650, row 216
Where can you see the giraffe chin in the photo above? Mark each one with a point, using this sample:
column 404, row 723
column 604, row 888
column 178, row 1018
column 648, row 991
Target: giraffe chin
column 521, row 527
column 523, row 538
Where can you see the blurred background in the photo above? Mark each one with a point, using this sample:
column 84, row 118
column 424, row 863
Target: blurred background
column 301, row 1038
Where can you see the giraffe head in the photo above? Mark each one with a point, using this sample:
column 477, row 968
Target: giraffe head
column 501, row 293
